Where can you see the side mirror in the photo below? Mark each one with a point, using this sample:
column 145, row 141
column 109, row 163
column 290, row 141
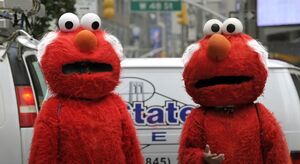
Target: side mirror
column 24, row 39
column 27, row 41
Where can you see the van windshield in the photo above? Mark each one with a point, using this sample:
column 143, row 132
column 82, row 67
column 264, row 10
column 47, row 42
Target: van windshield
column 38, row 80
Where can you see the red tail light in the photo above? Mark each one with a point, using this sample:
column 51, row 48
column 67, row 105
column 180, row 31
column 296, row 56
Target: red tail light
column 26, row 104
column 295, row 157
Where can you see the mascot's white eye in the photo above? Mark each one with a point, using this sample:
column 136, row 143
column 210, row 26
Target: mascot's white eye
column 232, row 26
column 68, row 22
column 91, row 21
column 212, row 26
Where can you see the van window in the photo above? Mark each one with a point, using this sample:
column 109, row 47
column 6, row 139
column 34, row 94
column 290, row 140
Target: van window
column 38, row 80
column 296, row 79
column 17, row 65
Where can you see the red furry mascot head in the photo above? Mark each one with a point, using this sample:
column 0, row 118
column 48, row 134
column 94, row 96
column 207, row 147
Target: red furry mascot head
column 225, row 69
column 80, row 60
column 83, row 121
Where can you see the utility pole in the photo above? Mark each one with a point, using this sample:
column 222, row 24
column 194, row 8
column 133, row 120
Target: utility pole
column 183, row 20
column 182, row 38
column 205, row 8
column 202, row 7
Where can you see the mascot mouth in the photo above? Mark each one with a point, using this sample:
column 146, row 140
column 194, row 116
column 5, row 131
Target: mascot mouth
column 222, row 80
column 86, row 67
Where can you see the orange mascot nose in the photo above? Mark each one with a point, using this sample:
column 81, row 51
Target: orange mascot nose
column 86, row 41
column 218, row 47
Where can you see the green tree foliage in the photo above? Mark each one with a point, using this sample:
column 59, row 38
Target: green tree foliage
column 54, row 9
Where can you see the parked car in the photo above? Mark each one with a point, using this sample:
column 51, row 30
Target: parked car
column 155, row 95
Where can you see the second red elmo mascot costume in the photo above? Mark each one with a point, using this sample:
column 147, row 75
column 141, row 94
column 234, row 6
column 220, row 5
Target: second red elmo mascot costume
column 225, row 73
column 83, row 121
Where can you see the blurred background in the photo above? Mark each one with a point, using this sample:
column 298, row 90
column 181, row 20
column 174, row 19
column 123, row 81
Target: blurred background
column 163, row 28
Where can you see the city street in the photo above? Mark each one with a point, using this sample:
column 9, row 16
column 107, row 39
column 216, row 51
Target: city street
column 200, row 81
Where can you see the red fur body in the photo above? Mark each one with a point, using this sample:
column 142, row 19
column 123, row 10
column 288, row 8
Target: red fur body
column 235, row 134
column 83, row 122
column 87, row 132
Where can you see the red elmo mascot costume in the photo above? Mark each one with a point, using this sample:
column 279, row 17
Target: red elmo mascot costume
column 225, row 72
column 83, row 121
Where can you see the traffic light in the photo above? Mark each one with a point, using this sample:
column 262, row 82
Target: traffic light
column 108, row 9
column 183, row 18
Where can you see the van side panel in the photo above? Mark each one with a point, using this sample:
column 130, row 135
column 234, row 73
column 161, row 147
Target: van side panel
column 10, row 143
column 158, row 103
column 151, row 90
column 2, row 118
column 26, row 137
column 281, row 98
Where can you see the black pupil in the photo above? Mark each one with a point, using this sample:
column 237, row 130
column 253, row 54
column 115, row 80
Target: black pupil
column 215, row 28
column 230, row 28
column 95, row 25
column 69, row 25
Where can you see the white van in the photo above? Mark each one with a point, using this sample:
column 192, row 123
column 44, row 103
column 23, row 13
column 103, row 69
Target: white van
column 154, row 92
column 156, row 98
column 22, row 89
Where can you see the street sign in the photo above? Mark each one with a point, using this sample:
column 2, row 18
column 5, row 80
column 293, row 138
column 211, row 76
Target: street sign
column 155, row 5
column 86, row 6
